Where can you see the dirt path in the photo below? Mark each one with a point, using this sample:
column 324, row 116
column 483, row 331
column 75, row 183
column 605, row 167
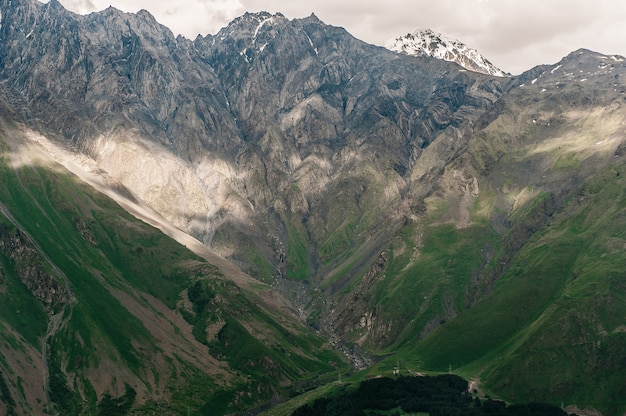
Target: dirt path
column 474, row 388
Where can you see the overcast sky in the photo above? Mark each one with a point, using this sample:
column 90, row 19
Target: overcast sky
column 515, row 35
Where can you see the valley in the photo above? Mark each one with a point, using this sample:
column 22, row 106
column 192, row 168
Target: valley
column 223, row 224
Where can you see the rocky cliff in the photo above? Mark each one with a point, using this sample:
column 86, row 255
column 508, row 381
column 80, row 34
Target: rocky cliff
column 254, row 140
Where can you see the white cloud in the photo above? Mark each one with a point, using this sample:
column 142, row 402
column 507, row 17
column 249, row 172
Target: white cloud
column 188, row 18
column 79, row 6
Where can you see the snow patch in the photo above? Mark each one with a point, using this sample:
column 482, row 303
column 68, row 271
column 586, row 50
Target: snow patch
column 310, row 42
column 308, row 38
column 552, row 72
column 261, row 24
column 429, row 43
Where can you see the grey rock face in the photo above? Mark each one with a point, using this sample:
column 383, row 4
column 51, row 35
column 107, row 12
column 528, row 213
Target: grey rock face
column 45, row 287
column 85, row 75
column 286, row 145
column 327, row 115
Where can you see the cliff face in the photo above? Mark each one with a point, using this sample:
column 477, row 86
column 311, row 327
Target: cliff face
column 86, row 76
column 332, row 128
column 43, row 285
column 258, row 135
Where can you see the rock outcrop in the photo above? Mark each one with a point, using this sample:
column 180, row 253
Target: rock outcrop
column 30, row 267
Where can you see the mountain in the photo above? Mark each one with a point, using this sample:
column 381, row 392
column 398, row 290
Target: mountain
column 320, row 191
column 513, row 261
column 102, row 312
column 429, row 43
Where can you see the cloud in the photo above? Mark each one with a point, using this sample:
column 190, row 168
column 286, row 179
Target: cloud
column 188, row 18
column 537, row 31
column 195, row 17
column 79, row 6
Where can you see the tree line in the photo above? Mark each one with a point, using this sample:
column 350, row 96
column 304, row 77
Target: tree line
column 444, row 395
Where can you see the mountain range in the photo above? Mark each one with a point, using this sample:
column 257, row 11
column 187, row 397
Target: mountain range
column 219, row 224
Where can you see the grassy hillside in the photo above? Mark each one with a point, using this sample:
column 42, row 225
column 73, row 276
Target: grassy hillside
column 512, row 270
column 119, row 317
column 553, row 327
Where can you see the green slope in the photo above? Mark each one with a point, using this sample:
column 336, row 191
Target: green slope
column 553, row 328
column 122, row 330
column 512, row 271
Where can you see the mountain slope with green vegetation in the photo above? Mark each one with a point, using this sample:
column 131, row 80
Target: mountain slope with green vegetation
column 119, row 317
column 514, row 273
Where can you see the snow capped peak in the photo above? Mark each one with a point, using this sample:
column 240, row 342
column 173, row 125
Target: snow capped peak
column 427, row 42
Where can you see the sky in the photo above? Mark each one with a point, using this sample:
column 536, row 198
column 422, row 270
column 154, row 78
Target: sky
column 515, row 35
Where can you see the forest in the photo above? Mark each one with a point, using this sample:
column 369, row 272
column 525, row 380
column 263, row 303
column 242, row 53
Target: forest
column 443, row 395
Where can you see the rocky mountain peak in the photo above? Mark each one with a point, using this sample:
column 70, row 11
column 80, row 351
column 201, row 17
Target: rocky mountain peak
column 313, row 17
column 590, row 60
column 580, row 66
column 425, row 42
column 249, row 25
column 251, row 33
